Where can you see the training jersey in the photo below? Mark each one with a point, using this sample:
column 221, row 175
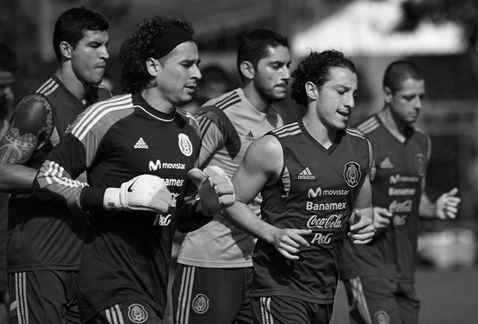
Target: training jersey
column 397, row 177
column 42, row 235
column 316, row 190
column 228, row 124
column 114, row 141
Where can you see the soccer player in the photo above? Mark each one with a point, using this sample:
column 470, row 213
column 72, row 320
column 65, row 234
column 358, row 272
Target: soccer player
column 312, row 174
column 379, row 277
column 8, row 67
column 137, row 150
column 215, row 266
column 45, row 241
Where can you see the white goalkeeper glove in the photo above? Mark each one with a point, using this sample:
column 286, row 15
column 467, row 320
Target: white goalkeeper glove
column 144, row 192
column 214, row 188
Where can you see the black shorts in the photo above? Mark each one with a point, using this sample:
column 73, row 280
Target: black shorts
column 211, row 295
column 379, row 300
column 287, row 310
column 126, row 313
column 45, row 296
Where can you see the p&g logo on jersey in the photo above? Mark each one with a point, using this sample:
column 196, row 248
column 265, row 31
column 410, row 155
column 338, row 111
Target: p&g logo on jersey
column 137, row 313
column 162, row 220
column 352, row 173
column 200, row 304
column 185, row 144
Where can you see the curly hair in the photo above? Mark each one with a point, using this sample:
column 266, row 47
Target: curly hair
column 315, row 68
column 139, row 47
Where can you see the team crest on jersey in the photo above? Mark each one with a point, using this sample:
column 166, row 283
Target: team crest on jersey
column 137, row 313
column 185, row 144
column 200, row 304
column 352, row 174
column 381, row 317
column 420, row 164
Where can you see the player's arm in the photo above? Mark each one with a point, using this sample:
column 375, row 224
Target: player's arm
column 361, row 228
column 262, row 163
column 31, row 125
column 445, row 207
column 213, row 128
column 72, row 156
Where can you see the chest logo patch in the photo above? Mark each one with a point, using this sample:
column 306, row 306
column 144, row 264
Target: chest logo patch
column 420, row 164
column 386, row 164
column 185, row 144
column 306, row 174
column 352, row 174
column 137, row 313
column 141, row 144
column 200, row 304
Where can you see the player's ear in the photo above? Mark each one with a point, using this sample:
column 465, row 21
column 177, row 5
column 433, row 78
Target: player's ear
column 66, row 49
column 152, row 66
column 247, row 69
column 388, row 94
column 311, row 90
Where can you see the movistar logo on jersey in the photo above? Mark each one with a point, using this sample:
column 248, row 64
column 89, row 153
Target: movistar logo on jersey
column 306, row 174
column 314, row 193
column 141, row 144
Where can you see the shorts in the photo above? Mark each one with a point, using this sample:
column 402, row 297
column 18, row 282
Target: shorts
column 45, row 296
column 211, row 295
column 379, row 300
column 286, row 310
column 126, row 313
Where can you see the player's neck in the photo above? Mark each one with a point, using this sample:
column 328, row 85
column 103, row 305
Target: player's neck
column 321, row 133
column 156, row 100
column 71, row 82
column 258, row 101
column 393, row 124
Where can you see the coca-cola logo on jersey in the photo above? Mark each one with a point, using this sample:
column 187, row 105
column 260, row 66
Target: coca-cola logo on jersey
column 330, row 222
column 401, row 207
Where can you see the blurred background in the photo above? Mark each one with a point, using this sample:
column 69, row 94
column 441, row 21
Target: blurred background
column 441, row 36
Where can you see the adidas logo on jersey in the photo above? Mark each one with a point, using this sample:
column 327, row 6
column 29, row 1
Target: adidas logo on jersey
column 250, row 136
column 306, row 175
column 141, row 144
column 386, row 164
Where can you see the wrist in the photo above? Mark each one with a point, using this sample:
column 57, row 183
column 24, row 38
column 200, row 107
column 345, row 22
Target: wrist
column 112, row 199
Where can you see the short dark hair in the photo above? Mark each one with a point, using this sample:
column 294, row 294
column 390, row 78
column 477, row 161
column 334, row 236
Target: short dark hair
column 255, row 45
column 8, row 59
column 72, row 24
column 139, row 47
column 398, row 71
column 315, row 68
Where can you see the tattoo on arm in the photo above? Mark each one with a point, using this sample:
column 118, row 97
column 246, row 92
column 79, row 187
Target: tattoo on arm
column 16, row 148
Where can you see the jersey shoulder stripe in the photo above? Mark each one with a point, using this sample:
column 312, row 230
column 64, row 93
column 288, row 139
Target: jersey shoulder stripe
column 354, row 132
column 287, row 130
column 48, row 87
column 369, row 125
column 228, row 101
column 96, row 112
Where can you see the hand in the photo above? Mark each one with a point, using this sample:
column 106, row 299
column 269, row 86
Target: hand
column 447, row 205
column 362, row 231
column 214, row 187
column 381, row 218
column 144, row 192
column 288, row 241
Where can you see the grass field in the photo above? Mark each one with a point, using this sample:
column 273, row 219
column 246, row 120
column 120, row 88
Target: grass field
column 448, row 297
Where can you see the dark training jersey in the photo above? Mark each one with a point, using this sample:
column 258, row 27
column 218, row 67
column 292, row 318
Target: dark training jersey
column 317, row 190
column 42, row 235
column 114, row 141
column 397, row 177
